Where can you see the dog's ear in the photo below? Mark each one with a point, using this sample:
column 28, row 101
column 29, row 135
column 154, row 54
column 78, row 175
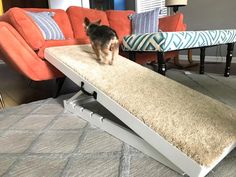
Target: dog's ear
column 86, row 22
column 98, row 22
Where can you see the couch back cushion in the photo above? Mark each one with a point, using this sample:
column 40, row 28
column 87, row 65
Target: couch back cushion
column 145, row 22
column 47, row 25
column 77, row 15
column 18, row 18
column 172, row 23
column 61, row 18
column 120, row 22
column 28, row 29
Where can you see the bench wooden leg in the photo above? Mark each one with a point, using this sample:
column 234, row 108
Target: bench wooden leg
column 176, row 62
column 202, row 60
column 132, row 56
column 161, row 63
column 190, row 60
column 229, row 56
column 190, row 56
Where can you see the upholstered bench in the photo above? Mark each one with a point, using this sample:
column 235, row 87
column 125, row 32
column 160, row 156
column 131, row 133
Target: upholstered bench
column 162, row 42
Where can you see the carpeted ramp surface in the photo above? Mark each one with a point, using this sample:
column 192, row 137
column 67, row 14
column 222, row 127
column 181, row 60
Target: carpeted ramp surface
column 196, row 124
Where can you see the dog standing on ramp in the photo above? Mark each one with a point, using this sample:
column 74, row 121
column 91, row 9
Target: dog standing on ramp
column 104, row 41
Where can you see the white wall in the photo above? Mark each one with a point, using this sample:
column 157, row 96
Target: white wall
column 210, row 14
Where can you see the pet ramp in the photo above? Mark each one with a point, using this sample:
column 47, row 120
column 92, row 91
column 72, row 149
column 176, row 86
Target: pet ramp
column 105, row 82
column 114, row 127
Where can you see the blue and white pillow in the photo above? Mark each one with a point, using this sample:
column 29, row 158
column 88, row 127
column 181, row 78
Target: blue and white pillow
column 146, row 22
column 47, row 25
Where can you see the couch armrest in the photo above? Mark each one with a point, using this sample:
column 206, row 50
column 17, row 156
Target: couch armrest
column 17, row 53
column 172, row 23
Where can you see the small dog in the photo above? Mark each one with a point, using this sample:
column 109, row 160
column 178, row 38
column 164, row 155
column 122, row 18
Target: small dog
column 104, row 41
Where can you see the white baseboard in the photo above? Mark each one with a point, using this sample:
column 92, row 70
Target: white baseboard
column 216, row 59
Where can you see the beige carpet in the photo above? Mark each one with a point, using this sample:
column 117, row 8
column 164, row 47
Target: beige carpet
column 196, row 124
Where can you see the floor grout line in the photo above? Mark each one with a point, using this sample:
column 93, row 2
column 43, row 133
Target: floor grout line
column 124, row 168
column 203, row 87
column 23, row 116
column 223, row 83
column 212, row 95
column 69, row 161
column 42, row 133
column 32, row 143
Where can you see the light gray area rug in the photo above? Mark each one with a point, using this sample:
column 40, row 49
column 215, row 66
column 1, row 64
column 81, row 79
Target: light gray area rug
column 41, row 139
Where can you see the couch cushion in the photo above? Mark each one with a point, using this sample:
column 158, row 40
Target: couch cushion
column 18, row 18
column 18, row 54
column 47, row 25
column 145, row 22
column 120, row 22
column 61, row 19
column 172, row 23
column 77, row 15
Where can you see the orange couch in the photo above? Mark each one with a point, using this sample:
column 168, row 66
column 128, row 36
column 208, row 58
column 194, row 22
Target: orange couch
column 22, row 44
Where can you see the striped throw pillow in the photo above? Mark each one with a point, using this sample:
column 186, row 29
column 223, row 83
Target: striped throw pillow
column 47, row 25
column 145, row 22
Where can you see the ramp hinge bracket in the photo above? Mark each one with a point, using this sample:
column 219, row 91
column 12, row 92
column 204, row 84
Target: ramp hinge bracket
column 94, row 94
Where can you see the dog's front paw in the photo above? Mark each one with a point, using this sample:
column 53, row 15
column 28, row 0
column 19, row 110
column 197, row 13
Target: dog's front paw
column 110, row 62
column 101, row 62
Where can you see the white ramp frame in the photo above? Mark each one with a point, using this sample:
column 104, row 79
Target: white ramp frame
column 163, row 147
column 73, row 105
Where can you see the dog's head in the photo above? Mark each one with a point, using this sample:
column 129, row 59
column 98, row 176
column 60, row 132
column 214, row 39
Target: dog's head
column 90, row 26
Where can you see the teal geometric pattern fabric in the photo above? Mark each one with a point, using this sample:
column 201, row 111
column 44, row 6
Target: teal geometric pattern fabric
column 170, row 41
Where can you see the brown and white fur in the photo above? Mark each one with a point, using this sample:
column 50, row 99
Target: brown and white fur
column 104, row 41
